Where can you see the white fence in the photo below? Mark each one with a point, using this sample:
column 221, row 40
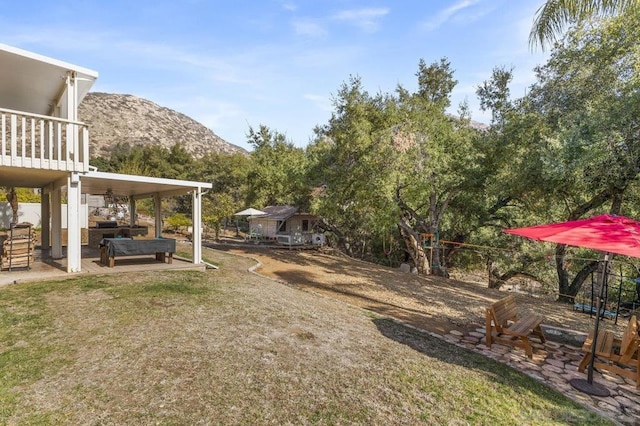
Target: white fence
column 30, row 212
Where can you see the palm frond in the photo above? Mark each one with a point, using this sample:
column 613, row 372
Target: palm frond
column 555, row 15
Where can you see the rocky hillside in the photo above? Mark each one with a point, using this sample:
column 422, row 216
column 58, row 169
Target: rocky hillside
column 116, row 118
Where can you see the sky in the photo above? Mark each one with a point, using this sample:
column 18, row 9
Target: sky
column 232, row 65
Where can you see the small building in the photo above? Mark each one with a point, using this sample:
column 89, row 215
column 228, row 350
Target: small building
column 285, row 225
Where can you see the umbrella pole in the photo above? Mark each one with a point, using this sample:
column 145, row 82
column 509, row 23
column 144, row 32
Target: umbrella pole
column 587, row 386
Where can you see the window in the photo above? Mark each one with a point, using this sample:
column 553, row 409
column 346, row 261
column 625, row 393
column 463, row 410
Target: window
column 305, row 225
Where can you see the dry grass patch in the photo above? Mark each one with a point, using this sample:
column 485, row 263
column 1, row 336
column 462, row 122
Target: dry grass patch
column 231, row 347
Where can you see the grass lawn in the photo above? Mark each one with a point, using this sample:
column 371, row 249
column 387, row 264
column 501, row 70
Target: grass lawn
column 230, row 347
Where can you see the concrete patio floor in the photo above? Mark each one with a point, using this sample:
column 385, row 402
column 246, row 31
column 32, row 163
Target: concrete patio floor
column 45, row 268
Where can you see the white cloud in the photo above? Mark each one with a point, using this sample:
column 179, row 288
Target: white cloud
column 307, row 27
column 365, row 19
column 446, row 14
column 289, row 5
column 321, row 102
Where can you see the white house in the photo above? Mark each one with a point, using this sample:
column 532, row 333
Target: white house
column 43, row 145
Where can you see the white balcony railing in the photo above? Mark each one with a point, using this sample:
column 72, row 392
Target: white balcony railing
column 43, row 142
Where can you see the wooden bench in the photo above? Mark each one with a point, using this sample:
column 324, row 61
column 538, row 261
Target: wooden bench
column 504, row 325
column 618, row 356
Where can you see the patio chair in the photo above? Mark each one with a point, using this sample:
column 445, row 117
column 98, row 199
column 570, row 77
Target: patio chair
column 253, row 235
column 618, row 356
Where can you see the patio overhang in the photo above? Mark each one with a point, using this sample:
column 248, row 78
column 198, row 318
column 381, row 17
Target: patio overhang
column 98, row 183
column 29, row 178
column 36, row 84
column 137, row 187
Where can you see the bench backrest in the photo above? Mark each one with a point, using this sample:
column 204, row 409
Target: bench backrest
column 630, row 340
column 503, row 310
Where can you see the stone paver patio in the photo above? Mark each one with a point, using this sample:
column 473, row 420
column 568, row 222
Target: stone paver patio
column 555, row 364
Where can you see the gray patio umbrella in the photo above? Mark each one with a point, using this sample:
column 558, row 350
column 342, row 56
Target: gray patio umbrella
column 250, row 212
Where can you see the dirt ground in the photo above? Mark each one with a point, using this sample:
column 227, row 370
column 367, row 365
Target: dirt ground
column 430, row 303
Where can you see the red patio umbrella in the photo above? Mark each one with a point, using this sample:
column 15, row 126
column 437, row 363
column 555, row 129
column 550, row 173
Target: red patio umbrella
column 607, row 233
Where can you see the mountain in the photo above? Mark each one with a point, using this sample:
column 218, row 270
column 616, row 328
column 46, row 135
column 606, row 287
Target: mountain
column 114, row 118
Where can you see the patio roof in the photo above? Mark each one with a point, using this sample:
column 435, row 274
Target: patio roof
column 278, row 212
column 101, row 182
column 33, row 83
column 137, row 186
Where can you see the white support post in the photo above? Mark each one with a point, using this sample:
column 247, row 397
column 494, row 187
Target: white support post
column 71, row 154
column 196, row 220
column 74, row 240
column 45, row 215
column 56, row 222
column 157, row 201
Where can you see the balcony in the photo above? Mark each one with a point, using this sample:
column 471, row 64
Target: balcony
column 32, row 141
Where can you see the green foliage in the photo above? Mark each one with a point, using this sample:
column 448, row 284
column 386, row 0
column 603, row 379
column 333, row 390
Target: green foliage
column 228, row 173
column 25, row 195
column 149, row 160
column 215, row 209
column 435, row 82
column 555, row 15
column 390, row 160
column 353, row 158
column 568, row 149
column 494, row 94
column 177, row 221
column 276, row 171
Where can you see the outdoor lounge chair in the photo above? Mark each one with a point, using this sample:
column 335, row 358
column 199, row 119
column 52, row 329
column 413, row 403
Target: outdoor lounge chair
column 618, row 356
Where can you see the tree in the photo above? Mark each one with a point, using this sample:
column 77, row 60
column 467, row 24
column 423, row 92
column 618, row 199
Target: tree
column 435, row 82
column 352, row 159
column 277, row 169
column 215, row 209
column 392, row 164
column 228, row 174
column 437, row 156
column 494, row 95
column 12, row 198
column 554, row 16
column 583, row 153
column 177, row 221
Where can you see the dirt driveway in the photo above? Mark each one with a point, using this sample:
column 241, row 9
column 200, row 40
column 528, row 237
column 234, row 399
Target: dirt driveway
column 431, row 303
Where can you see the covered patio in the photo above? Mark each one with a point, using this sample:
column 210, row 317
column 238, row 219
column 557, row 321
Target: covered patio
column 132, row 187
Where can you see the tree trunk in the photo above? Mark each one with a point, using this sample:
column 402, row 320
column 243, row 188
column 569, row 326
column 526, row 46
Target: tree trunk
column 415, row 248
column 342, row 242
column 568, row 291
column 563, row 276
column 497, row 280
column 12, row 198
column 579, row 279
